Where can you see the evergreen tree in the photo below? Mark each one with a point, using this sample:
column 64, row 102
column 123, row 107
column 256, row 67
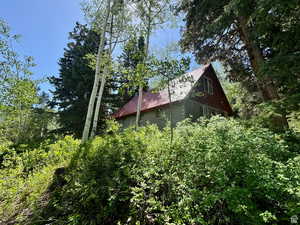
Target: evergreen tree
column 111, row 19
column 74, row 84
column 130, row 57
column 257, row 40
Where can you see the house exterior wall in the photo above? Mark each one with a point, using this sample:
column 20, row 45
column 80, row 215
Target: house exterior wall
column 205, row 98
column 188, row 108
column 158, row 116
column 216, row 100
column 195, row 109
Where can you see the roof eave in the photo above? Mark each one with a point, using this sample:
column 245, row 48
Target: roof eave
column 147, row 110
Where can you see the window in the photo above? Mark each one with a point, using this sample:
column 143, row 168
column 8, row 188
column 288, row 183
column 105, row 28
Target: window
column 208, row 111
column 210, row 87
column 197, row 112
column 205, row 110
column 158, row 113
column 207, row 85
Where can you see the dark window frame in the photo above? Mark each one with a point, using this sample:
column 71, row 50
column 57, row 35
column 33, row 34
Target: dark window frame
column 208, row 85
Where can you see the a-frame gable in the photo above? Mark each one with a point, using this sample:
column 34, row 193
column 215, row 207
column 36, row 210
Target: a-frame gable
column 208, row 91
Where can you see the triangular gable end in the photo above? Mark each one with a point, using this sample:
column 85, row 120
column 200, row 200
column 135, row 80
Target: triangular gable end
column 216, row 100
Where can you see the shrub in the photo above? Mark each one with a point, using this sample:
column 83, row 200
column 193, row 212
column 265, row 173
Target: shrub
column 25, row 177
column 217, row 171
column 100, row 179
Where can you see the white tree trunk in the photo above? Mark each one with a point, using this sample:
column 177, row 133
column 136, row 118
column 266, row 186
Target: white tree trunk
column 88, row 120
column 140, row 98
column 103, row 79
column 139, row 106
column 170, row 111
column 99, row 99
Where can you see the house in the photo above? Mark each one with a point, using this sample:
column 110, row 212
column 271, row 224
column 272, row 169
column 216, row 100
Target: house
column 195, row 94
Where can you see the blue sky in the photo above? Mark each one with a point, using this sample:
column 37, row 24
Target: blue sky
column 44, row 26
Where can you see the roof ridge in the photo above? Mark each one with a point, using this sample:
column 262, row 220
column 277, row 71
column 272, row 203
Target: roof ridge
column 187, row 73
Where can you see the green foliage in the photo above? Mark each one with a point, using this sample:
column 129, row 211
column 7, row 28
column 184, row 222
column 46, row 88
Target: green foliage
column 294, row 121
column 75, row 81
column 248, row 107
column 217, row 171
column 153, row 14
column 135, row 68
column 256, row 40
column 19, row 98
column 132, row 54
column 76, row 77
column 99, row 180
column 17, row 91
column 212, row 33
column 169, row 69
column 277, row 27
column 240, row 100
column 25, row 177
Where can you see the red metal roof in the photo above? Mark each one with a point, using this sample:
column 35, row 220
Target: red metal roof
column 152, row 100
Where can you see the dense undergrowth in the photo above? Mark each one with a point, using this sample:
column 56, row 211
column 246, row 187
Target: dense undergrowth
column 217, row 171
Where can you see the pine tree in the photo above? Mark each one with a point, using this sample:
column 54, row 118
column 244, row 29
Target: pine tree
column 131, row 56
column 74, row 84
column 247, row 36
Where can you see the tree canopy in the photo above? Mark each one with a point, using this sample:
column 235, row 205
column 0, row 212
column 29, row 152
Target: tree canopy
column 252, row 39
column 74, row 84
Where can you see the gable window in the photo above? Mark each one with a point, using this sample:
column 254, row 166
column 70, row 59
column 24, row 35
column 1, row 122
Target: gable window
column 158, row 113
column 197, row 112
column 207, row 85
column 205, row 110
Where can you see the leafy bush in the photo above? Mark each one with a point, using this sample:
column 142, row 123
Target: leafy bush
column 4, row 148
column 25, row 177
column 294, row 121
column 217, row 171
column 100, row 178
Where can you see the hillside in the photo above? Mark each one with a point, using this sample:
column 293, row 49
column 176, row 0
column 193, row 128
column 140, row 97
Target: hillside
column 217, row 171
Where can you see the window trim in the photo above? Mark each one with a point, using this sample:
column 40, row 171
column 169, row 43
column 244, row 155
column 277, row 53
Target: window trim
column 205, row 110
column 158, row 113
column 209, row 85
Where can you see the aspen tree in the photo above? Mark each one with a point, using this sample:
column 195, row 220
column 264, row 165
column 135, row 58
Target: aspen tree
column 115, row 26
column 152, row 14
column 88, row 120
